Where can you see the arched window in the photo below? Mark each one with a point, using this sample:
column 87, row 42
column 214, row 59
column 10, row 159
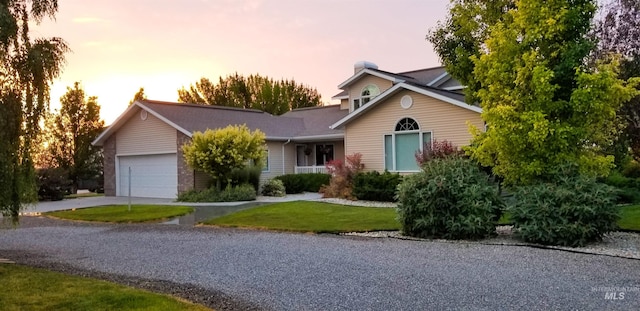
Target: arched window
column 366, row 95
column 407, row 124
column 400, row 147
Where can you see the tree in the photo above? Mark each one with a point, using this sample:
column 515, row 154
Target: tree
column 28, row 68
column 218, row 152
column 255, row 92
column 138, row 96
column 462, row 36
column 617, row 31
column 544, row 107
column 74, row 127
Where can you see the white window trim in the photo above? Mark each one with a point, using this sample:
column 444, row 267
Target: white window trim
column 393, row 148
column 360, row 99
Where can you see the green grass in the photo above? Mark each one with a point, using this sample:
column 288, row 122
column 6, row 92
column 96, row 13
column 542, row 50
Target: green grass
column 25, row 288
column 629, row 218
column 304, row 216
column 121, row 213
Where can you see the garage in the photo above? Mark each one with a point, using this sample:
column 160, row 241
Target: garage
column 152, row 176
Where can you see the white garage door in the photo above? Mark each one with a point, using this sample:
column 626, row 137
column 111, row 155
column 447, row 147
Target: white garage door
column 152, row 176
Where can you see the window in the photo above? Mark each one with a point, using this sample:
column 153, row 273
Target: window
column 401, row 146
column 265, row 168
column 324, row 154
column 368, row 93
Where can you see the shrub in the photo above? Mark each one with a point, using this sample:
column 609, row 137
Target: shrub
column 451, row 198
column 631, row 169
column 438, row 149
column 571, row 211
column 627, row 189
column 309, row 182
column 273, row 188
column 53, row 184
column 249, row 174
column 243, row 192
column 342, row 174
column 374, row 186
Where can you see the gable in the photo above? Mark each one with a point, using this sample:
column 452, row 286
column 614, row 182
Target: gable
column 442, row 95
column 143, row 133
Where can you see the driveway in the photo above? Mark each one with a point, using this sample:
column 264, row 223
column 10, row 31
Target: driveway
column 286, row 271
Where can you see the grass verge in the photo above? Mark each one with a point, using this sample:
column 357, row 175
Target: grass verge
column 305, row 216
column 26, row 288
column 629, row 218
column 121, row 213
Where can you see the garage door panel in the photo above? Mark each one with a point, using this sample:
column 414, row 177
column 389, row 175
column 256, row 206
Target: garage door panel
column 153, row 176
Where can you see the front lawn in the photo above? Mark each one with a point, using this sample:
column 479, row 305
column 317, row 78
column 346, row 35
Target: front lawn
column 629, row 218
column 26, row 288
column 121, row 213
column 305, row 216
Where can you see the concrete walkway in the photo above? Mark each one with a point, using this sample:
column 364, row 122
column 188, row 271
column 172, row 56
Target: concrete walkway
column 42, row 207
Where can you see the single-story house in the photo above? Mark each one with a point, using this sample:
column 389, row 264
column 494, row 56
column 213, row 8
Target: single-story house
column 384, row 116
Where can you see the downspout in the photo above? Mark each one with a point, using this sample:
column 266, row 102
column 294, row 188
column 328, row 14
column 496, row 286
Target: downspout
column 284, row 171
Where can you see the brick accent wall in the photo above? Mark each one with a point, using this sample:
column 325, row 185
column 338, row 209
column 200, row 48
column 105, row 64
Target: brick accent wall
column 109, row 153
column 186, row 179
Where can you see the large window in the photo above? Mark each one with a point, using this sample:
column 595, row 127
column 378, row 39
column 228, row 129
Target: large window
column 367, row 94
column 400, row 147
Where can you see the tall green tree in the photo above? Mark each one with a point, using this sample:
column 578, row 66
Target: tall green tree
column 218, row 152
column 28, row 68
column 544, row 107
column 617, row 30
column 138, row 96
column 254, row 91
column 462, row 36
column 74, row 127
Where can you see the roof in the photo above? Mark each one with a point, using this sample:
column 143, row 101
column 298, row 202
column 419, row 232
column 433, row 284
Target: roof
column 189, row 118
column 317, row 120
column 444, row 95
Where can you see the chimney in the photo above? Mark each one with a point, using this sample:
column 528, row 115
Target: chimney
column 363, row 65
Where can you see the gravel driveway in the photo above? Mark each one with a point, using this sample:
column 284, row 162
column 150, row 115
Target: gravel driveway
column 286, row 271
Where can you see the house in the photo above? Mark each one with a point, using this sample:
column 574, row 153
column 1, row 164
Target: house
column 384, row 116
column 391, row 115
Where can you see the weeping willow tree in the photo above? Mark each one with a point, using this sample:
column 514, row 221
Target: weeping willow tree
column 28, row 68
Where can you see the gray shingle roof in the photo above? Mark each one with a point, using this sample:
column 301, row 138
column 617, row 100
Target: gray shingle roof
column 424, row 76
column 301, row 122
column 318, row 119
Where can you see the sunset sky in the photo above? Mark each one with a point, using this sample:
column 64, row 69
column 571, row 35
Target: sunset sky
column 121, row 45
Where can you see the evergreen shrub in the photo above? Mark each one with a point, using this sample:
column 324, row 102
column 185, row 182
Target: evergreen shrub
column 273, row 188
column 373, row 186
column 309, row 182
column 450, row 198
column 570, row 210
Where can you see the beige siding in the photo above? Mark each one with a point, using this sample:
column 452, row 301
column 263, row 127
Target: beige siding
column 275, row 159
column 356, row 88
column 344, row 104
column 366, row 134
column 148, row 136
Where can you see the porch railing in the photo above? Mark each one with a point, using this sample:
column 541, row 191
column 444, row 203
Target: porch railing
column 310, row 169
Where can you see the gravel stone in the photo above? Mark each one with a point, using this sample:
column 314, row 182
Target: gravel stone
column 244, row 269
